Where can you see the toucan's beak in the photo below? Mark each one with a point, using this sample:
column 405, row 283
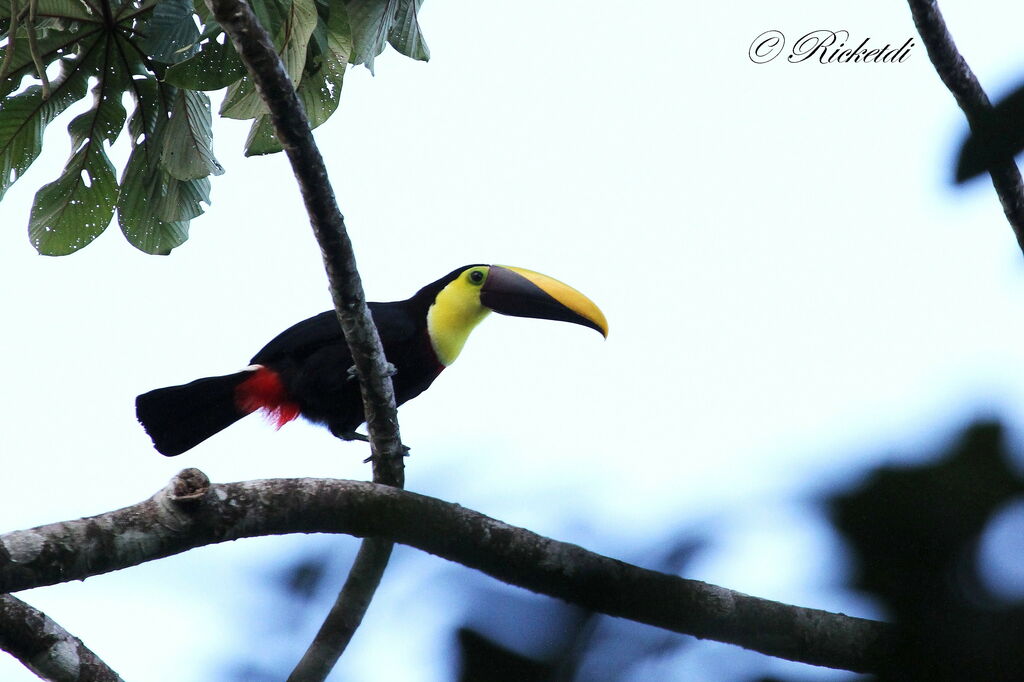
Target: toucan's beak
column 524, row 293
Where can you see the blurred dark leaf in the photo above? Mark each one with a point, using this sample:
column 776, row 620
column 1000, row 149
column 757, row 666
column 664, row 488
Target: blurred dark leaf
column 482, row 660
column 915, row 532
column 302, row 580
column 565, row 642
column 999, row 137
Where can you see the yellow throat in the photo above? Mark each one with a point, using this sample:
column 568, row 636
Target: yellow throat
column 454, row 314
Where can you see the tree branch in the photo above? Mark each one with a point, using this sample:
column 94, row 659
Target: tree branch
column 254, row 46
column 346, row 613
column 47, row 649
column 292, row 128
column 190, row 512
column 961, row 82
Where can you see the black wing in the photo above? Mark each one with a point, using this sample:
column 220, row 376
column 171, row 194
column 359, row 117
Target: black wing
column 394, row 323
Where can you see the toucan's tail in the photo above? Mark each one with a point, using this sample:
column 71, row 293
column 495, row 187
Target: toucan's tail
column 178, row 418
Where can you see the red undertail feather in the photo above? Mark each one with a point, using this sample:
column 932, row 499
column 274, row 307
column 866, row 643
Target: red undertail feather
column 264, row 391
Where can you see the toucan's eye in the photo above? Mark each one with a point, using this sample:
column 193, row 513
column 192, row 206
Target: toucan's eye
column 476, row 276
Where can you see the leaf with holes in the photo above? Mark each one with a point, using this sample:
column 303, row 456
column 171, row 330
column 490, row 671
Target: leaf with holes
column 171, row 32
column 70, row 212
column 215, row 66
column 24, row 117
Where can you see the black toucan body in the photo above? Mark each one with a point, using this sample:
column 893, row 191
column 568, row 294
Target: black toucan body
column 305, row 369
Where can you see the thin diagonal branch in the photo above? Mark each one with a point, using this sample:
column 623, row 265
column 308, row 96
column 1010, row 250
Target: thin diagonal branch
column 254, row 45
column 346, row 613
column 191, row 513
column 292, row 127
column 47, row 649
column 962, row 83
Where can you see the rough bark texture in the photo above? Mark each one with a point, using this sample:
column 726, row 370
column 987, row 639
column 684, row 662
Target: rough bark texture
column 958, row 77
column 46, row 648
column 191, row 512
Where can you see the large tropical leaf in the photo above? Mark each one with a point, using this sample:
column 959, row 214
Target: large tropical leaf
column 24, row 117
column 164, row 54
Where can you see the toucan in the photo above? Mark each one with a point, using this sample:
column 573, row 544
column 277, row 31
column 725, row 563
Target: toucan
column 307, row 369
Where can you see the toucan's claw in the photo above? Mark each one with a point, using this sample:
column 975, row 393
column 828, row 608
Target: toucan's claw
column 351, row 435
column 389, row 371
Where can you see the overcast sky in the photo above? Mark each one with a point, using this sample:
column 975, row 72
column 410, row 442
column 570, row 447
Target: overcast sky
column 794, row 290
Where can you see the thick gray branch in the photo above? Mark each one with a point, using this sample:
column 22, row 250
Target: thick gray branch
column 191, row 513
column 958, row 77
column 47, row 649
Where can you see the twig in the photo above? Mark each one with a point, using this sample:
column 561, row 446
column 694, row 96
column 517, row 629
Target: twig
column 958, row 77
column 254, row 46
column 47, row 649
column 33, row 48
column 192, row 513
column 12, row 34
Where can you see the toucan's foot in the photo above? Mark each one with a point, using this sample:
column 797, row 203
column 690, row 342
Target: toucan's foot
column 351, row 435
column 389, row 371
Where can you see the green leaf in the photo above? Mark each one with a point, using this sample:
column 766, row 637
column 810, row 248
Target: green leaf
column 405, row 35
column 75, row 209
column 319, row 92
column 155, row 208
column 339, row 31
column 64, row 9
column 51, row 47
column 70, row 212
column 171, row 31
column 371, row 22
column 188, row 138
column 271, row 13
column 24, row 117
column 302, row 19
column 215, row 66
column 242, row 100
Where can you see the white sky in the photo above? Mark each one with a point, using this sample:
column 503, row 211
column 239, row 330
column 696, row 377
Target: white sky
column 794, row 291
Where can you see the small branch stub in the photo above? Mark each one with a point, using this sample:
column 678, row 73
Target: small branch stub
column 189, row 486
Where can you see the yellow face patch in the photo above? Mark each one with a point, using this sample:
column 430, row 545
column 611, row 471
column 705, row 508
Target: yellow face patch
column 455, row 312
